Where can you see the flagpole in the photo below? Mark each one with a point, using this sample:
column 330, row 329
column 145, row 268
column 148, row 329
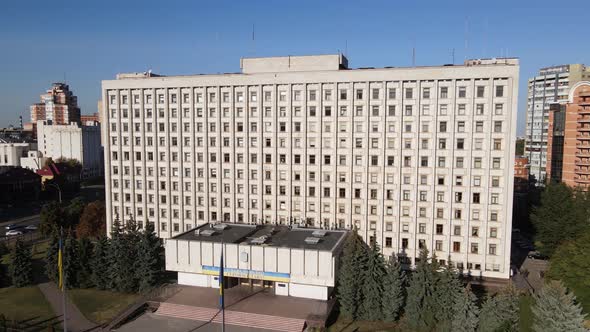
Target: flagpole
column 65, row 323
column 223, row 290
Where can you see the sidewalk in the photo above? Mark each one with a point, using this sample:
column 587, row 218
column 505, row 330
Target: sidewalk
column 76, row 320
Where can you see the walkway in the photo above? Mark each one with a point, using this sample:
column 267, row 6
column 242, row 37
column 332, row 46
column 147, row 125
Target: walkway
column 76, row 320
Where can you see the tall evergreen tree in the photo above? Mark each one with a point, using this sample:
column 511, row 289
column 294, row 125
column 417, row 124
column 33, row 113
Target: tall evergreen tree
column 124, row 259
column 556, row 310
column 466, row 312
column 421, row 308
column 393, row 291
column 100, row 263
column 84, row 275
column 372, row 288
column 150, row 262
column 71, row 261
column 51, row 269
column 500, row 312
column 21, row 265
column 447, row 289
column 351, row 275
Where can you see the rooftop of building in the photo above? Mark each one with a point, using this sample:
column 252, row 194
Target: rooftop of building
column 327, row 62
column 266, row 235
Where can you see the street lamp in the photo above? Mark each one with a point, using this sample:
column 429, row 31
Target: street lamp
column 55, row 185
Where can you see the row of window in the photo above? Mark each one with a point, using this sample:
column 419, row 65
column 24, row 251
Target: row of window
column 375, row 111
column 312, row 95
column 438, row 246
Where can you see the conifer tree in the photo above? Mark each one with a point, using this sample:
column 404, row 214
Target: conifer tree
column 100, row 263
column 556, row 310
column 71, row 261
column 421, row 308
column 372, row 288
column 21, row 267
column 466, row 312
column 150, row 263
column 448, row 288
column 393, row 291
column 500, row 313
column 115, row 250
column 350, row 277
column 51, row 269
column 84, row 275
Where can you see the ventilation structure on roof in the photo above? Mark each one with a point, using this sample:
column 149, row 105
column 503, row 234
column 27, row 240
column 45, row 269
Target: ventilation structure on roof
column 208, row 232
column 220, row 227
column 319, row 233
column 259, row 240
column 312, row 240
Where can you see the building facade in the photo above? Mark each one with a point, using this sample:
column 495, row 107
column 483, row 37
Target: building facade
column 569, row 139
column 12, row 152
column 550, row 86
column 521, row 174
column 296, row 262
column 58, row 105
column 72, row 141
column 90, row 119
column 414, row 158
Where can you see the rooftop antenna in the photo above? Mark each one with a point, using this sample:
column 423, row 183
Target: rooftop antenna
column 453, row 55
column 253, row 41
column 346, row 48
column 413, row 56
column 65, row 80
column 466, row 35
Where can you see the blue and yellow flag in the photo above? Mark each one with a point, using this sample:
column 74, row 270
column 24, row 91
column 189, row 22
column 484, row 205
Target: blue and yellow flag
column 60, row 265
column 221, row 283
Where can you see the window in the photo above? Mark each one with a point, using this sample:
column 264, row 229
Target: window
column 493, row 232
column 444, row 92
column 439, row 229
column 391, row 93
column 388, row 242
column 409, row 93
column 479, row 127
column 462, row 92
column 481, row 91
column 425, row 93
column 438, row 245
column 499, row 91
column 497, row 126
column 499, row 109
column 476, row 198
column 442, row 127
column 479, row 109
column 456, row 246
column 474, row 248
column 492, row 249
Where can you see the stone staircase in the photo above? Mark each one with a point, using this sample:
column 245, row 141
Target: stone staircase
column 238, row 318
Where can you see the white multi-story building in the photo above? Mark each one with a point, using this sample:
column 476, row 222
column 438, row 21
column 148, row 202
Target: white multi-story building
column 74, row 142
column 11, row 151
column 411, row 157
column 551, row 86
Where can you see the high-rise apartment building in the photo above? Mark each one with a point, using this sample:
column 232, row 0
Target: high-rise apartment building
column 569, row 139
column 58, row 105
column 414, row 158
column 550, row 86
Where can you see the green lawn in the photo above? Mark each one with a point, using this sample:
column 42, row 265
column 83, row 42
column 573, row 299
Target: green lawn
column 24, row 303
column 100, row 306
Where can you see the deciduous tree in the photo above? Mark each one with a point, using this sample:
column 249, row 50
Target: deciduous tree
column 92, row 221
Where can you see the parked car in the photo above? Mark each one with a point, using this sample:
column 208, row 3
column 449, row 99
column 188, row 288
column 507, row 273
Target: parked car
column 14, row 232
column 11, row 226
column 31, row 227
column 536, row 255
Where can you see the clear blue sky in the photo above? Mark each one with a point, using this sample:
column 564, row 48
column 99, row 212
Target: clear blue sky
column 91, row 41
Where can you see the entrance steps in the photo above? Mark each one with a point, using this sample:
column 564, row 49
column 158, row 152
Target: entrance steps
column 238, row 318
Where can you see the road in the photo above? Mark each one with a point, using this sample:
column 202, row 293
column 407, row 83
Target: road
column 23, row 222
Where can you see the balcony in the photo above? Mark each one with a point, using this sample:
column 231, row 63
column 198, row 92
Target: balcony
column 584, row 120
column 582, row 181
column 583, row 129
column 584, row 103
column 582, row 171
column 583, row 154
column 583, row 94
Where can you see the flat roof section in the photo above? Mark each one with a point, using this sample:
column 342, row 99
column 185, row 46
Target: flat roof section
column 266, row 235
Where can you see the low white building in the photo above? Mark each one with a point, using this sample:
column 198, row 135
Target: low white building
column 300, row 262
column 74, row 142
column 33, row 160
column 12, row 152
